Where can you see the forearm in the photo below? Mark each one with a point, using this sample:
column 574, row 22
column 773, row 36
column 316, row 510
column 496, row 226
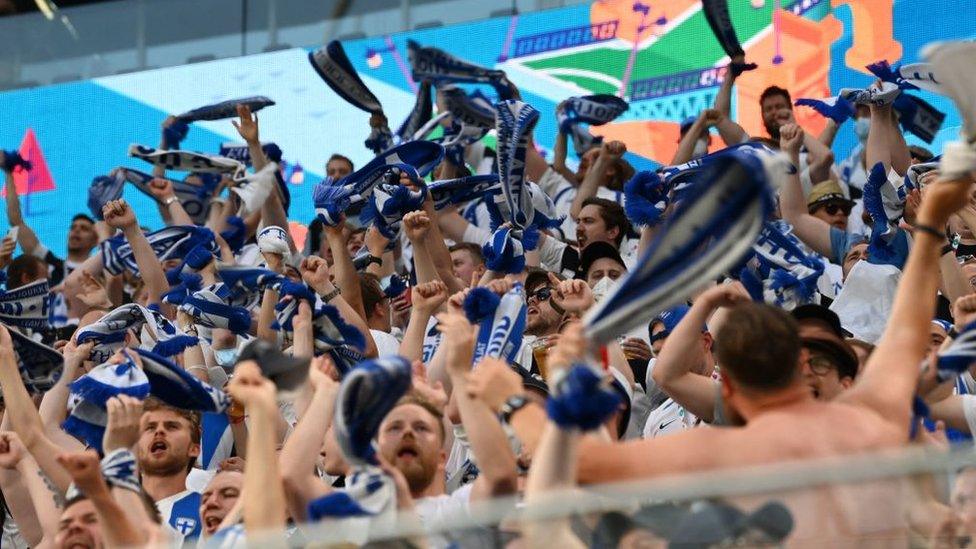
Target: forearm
column 901, row 157
column 258, row 159
column 723, row 99
column 357, row 319
column 273, row 214
column 489, row 444
column 828, row 134
column 553, row 469
column 816, row 151
column 423, row 262
column 813, row 231
column 14, row 216
column 299, row 453
column 731, row 132
column 303, row 344
column 441, row 257
column 682, row 351
column 53, row 408
column 686, row 146
column 267, row 315
column 19, row 504
column 954, row 283
column 452, row 224
column 264, row 508
column 150, row 268
column 24, row 417
column 412, row 345
column 177, row 214
column 528, row 424
column 345, row 272
column 559, row 151
column 595, row 177
column 44, row 499
column 113, row 517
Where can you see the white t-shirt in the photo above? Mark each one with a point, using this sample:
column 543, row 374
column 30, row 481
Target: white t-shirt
column 969, row 408
column 668, row 418
column 444, row 509
column 180, row 515
column 386, row 344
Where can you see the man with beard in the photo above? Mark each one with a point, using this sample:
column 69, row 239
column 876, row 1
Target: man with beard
column 169, row 443
column 79, row 526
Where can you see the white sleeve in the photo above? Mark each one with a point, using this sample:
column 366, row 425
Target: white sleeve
column 969, row 408
column 551, row 254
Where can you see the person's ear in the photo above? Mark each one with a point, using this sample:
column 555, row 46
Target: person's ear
column 846, row 382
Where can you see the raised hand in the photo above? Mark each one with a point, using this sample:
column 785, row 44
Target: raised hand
column 568, row 349
column 726, row 295
column 323, row 375
column 416, row 225
column 11, row 450
column 942, row 199
column 431, row 392
column 711, row 117
column 275, row 261
column 122, row 430
column 493, row 381
column 427, row 297
column 790, row 139
column 74, row 357
column 612, row 150
column 455, row 303
column 964, row 311
column 85, row 471
column 573, row 296
column 248, row 126
column 636, row 348
column 119, row 215
column 93, row 292
column 232, row 464
column 315, row 272
column 7, row 248
column 252, row 389
column 459, row 337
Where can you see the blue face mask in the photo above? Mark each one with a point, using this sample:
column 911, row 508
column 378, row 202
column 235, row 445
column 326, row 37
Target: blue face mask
column 225, row 357
column 861, row 128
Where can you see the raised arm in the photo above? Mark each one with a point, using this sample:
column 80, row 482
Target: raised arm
column 118, row 214
column 416, row 225
column 25, row 235
column 45, row 503
column 596, row 176
column 315, row 273
column 489, row 444
column 297, row 458
column 248, row 129
column 264, row 501
column 439, row 252
column 114, row 522
column 269, row 299
column 813, row 231
column 346, row 277
column 699, row 128
column 889, row 378
column 731, row 132
column 169, row 204
column 426, row 298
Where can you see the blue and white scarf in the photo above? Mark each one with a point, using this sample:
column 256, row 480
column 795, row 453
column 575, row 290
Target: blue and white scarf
column 709, row 233
column 835, row 108
column 210, row 310
column 453, row 192
column 787, row 276
column 351, row 193
column 195, row 199
column 331, row 333
column 154, row 330
column 594, row 110
column 169, row 243
column 119, row 467
column 368, row 492
column 423, row 110
column 440, row 67
column 959, row 356
column 245, row 285
column 884, row 200
column 40, row 366
column 503, row 252
column 916, row 171
column 225, row 109
column 913, row 76
column 918, row 116
column 104, row 189
column 332, row 64
column 646, row 198
column 681, row 177
column 582, row 397
column 186, row 161
column 254, row 189
column 500, row 321
column 514, row 123
column 470, row 109
column 27, row 307
column 241, row 152
column 391, row 201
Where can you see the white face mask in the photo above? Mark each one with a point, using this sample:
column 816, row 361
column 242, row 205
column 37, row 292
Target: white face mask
column 701, row 148
column 226, row 357
column 602, row 288
column 861, row 127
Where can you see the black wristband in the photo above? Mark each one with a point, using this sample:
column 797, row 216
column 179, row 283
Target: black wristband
column 929, row 229
column 947, row 249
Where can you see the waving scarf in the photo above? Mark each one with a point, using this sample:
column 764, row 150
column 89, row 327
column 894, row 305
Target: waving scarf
column 40, row 366
column 500, row 321
column 186, row 161
column 154, row 330
column 169, row 243
column 195, row 199
column 225, row 109
column 788, row 276
column 440, row 67
column 514, row 124
column 28, row 306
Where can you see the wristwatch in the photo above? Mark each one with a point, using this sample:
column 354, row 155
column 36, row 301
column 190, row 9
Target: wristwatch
column 373, row 259
column 512, row 404
column 331, row 295
column 170, row 200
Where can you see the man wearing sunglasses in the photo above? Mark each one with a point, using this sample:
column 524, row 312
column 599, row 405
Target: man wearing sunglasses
column 827, row 202
column 543, row 316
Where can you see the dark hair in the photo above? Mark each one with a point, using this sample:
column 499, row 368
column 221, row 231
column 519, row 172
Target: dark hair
column 613, row 216
column 758, row 346
column 23, row 267
column 471, row 248
column 153, row 404
column 345, row 159
column 417, row 400
column 921, row 153
column 86, row 217
column 773, row 91
column 372, row 292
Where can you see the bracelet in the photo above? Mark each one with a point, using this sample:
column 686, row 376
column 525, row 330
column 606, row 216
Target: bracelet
column 119, row 469
column 929, row 229
column 332, row 295
column 170, row 200
column 947, row 249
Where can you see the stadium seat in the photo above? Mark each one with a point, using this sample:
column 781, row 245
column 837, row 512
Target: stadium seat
column 276, row 47
column 200, row 58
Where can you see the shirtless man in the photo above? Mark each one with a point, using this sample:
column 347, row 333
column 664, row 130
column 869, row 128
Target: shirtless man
column 763, row 383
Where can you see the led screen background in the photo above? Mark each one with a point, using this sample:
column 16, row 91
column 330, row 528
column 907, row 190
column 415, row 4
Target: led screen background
column 84, row 128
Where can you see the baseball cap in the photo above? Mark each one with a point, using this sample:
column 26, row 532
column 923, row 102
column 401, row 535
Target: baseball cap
column 594, row 251
column 670, row 319
column 812, row 313
column 827, row 191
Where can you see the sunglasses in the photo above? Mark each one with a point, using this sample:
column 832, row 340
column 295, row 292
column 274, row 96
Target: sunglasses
column 540, row 295
column 833, row 209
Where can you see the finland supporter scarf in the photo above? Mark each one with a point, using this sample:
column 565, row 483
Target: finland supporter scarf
column 594, row 110
column 169, row 243
column 959, row 356
column 225, row 109
column 645, row 198
column 500, row 321
column 367, row 394
column 186, row 161
column 332, row 64
column 503, row 252
column 89, row 394
column 471, row 109
column 195, row 199
column 254, row 189
column 582, row 397
column 453, row 192
column 884, row 200
column 709, row 233
column 242, row 153
column 391, row 201
column 780, row 273
column 440, row 67
column 40, row 366
column 913, row 76
column 681, row 177
column 155, row 332
column 419, row 116
column 104, row 189
column 514, row 123
column 331, row 333
column 349, row 195
column 27, row 307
